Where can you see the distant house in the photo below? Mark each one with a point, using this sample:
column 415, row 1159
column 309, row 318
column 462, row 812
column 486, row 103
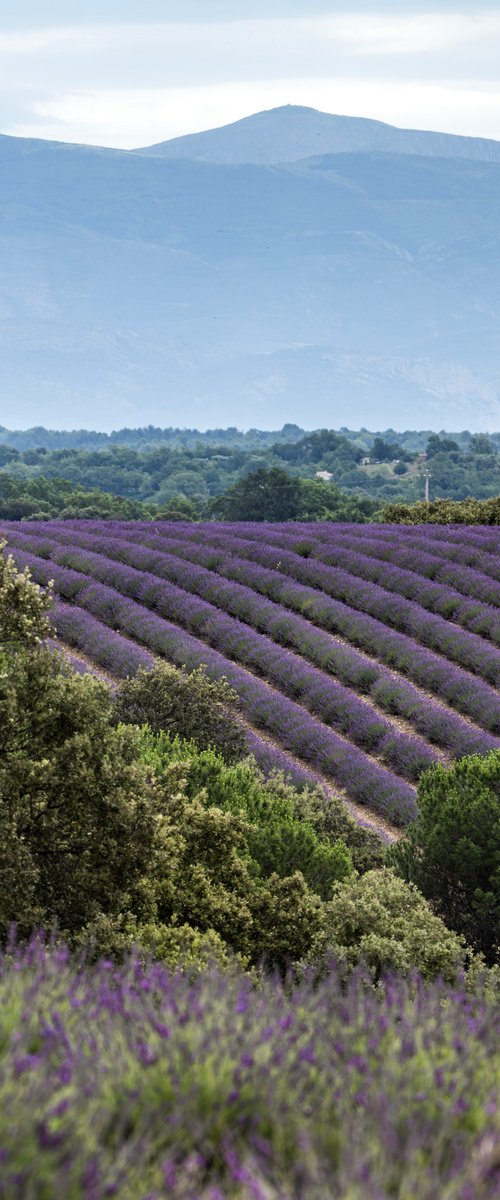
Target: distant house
column 365, row 462
column 325, row 475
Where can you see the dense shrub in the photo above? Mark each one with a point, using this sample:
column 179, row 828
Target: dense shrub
column 78, row 809
column 388, row 925
column 280, row 838
column 445, row 512
column 189, row 706
column 452, row 851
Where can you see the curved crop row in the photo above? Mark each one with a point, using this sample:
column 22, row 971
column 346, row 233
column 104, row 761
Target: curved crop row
column 322, row 696
column 124, row 658
column 433, row 597
column 435, row 632
column 297, row 730
column 428, row 669
column 485, row 536
column 423, row 559
column 349, row 665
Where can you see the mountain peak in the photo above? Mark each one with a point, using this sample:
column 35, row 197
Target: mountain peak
column 293, row 132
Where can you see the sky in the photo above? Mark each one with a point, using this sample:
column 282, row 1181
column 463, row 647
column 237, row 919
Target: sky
column 127, row 74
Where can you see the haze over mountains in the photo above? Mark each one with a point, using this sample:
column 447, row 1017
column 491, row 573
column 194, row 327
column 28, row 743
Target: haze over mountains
column 290, row 133
column 294, row 266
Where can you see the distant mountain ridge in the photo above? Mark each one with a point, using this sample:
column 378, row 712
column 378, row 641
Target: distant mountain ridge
column 292, row 132
column 360, row 287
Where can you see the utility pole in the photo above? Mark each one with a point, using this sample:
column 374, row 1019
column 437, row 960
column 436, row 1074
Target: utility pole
column 427, row 476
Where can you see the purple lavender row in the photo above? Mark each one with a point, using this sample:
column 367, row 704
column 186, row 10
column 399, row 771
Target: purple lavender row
column 425, row 557
column 306, row 537
column 331, row 702
column 470, row 696
column 439, row 634
column 364, row 780
column 352, row 667
column 482, row 551
column 485, row 536
column 433, row 597
column 123, row 659
column 445, row 550
column 399, row 652
column 398, row 539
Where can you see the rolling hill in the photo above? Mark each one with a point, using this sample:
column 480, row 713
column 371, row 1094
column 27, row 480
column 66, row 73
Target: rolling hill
column 293, row 132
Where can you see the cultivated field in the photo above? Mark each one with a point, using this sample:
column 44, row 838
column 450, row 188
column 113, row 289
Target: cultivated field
column 361, row 654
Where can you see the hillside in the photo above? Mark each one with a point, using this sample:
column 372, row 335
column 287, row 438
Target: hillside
column 363, row 285
column 361, row 655
column 293, row 132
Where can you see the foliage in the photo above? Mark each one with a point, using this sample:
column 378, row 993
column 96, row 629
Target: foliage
column 280, row 838
column 385, row 451
column 139, row 1081
column 445, row 512
column 325, row 502
column 263, row 495
column 190, row 706
column 387, row 924
column 100, row 834
column 273, row 495
column 23, row 607
column 167, row 469
column 41, row 498
column 332, row 822
column 452, row 851
column 77, row 815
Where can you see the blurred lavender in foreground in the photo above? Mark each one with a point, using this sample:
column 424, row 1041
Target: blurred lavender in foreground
column 142, row 1083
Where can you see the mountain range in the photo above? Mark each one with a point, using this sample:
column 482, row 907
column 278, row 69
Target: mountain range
column 292, row 267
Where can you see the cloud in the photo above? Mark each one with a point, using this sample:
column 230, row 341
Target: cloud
column 128, row 84
column 32, row 13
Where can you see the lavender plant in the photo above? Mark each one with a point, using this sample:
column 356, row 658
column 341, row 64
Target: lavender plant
column 142, row 1082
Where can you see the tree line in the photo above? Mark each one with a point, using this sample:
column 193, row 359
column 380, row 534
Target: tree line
column 384, row 469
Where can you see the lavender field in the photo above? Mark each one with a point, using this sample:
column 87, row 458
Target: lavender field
column 143, row 1084
column 361, row 654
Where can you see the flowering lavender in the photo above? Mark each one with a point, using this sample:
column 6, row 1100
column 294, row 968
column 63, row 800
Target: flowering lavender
column 352, row 667
column 142, row 1082
column 259, row 604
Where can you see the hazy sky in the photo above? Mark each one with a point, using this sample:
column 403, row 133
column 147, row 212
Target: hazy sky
column 120, row 73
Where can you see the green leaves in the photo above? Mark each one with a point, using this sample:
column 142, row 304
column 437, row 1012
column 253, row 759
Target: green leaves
column 23, row 606
column 379, row 920
column 452, row 852
column 190, row 706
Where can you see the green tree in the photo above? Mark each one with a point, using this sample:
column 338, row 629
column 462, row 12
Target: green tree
column 78, row 808
column 480, row 444
column 387, row 924
column 452, row 851
column 438, row 445
column 263, row 495
column 190, row 706
column 280, row 838
column 320, row 501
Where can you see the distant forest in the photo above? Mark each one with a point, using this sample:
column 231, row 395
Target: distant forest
column 188, row 470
